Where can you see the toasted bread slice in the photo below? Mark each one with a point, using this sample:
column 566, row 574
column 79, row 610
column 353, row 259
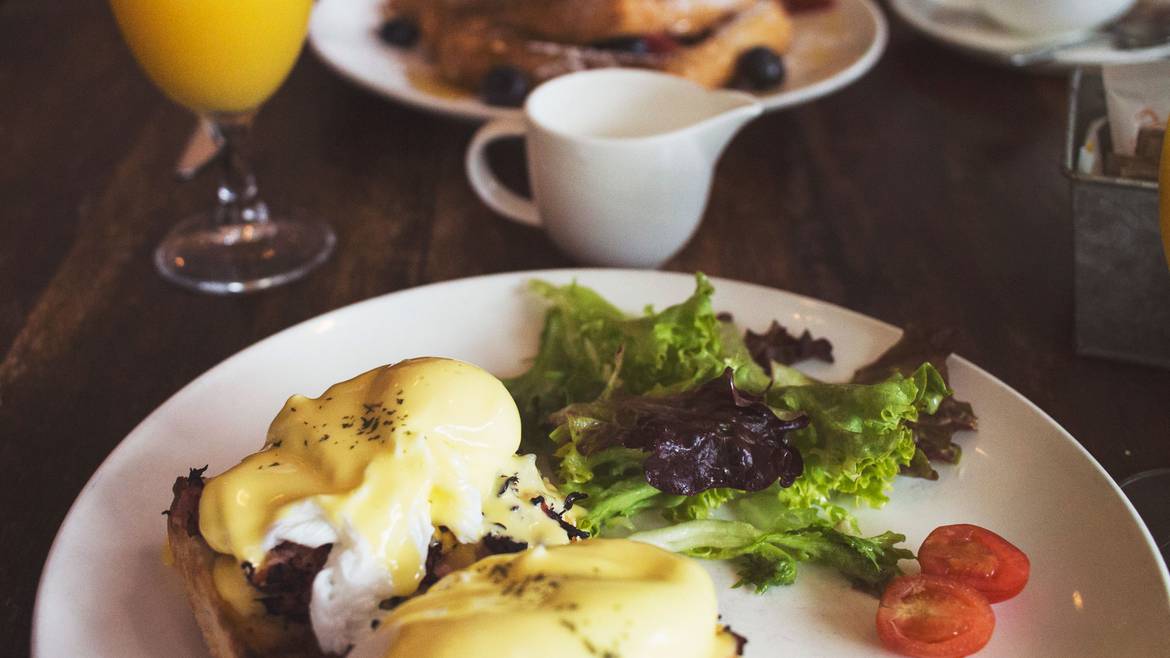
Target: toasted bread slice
column 469, row 47
column 226, row 633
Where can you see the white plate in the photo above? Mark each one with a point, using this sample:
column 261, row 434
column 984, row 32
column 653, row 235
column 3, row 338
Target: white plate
column 1097, row 586
column 831, row 49
column 972, row 32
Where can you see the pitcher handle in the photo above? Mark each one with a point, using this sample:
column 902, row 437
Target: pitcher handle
column 489, row 188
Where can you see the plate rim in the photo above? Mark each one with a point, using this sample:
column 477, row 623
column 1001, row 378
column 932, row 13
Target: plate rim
column 125, row 444
column 477, row 111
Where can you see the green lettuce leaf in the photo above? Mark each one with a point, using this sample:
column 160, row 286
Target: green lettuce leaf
column 768, row 557
column 934, row 432
column 858, row 438
column 612, row 478
column 699, row 506
column 613, row 505
column 589, row 348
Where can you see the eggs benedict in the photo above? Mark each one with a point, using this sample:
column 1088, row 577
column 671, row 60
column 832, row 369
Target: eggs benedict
column 589, row 599
column 358, row 499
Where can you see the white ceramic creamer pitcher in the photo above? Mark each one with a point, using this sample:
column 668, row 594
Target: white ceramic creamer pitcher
column 620, row 161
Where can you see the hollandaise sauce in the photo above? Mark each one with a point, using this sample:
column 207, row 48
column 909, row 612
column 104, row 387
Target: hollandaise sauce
column 600, row 597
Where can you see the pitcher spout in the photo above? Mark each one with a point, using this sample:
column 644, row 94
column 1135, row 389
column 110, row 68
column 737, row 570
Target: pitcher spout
column 730, row 111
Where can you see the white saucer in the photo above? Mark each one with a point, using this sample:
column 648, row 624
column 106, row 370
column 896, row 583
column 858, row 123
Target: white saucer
column 831, row 48
column 974, row 33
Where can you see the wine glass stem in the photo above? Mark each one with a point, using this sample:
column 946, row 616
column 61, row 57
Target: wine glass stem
column 237, row 197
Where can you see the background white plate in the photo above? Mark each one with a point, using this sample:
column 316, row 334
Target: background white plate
column 1097, row 586
column 972, row 32
column 831, row 49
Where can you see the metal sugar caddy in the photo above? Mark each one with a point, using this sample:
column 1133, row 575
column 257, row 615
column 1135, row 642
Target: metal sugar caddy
column 1122, row 281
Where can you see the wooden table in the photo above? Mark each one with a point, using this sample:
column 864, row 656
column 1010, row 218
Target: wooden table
column 929, row 191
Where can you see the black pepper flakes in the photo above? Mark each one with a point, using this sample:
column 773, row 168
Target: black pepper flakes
column 571, row 530
column 572, row 499
column 390, row 603
column 509, row 482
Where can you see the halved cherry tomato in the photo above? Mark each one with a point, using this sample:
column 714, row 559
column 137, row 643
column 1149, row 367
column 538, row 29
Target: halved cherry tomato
column 933, row 617
column 977, row 557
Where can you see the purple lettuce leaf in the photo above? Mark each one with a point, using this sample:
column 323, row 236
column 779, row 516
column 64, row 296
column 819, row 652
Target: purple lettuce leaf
column 712, row 436
column 778, row 345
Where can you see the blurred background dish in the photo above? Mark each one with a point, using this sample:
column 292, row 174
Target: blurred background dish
column 1046, row 16
column 971, row 31
column 831, row 48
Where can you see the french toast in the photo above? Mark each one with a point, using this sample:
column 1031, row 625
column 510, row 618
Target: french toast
column 583, row 22
column 699, row 40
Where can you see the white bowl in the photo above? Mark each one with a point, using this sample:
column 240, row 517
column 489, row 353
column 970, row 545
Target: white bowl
column 1050, row 16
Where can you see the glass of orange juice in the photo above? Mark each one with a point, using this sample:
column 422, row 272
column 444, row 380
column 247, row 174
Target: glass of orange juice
column 222, row 59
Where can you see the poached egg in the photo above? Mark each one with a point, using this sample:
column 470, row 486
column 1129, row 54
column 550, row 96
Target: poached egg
column 373, row 467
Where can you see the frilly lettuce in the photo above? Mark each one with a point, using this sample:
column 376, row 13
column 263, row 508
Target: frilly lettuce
column 593, row 360
column 768, row 557
column 589, row 347
column 857, row 439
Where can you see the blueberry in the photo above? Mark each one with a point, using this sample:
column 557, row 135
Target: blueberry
column 401, row 32
column 633, row 45
column 761, row 68
column 504, row 85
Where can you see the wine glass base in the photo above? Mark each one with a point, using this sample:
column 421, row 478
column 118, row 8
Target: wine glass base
column 1149, row 491
column 231, row 259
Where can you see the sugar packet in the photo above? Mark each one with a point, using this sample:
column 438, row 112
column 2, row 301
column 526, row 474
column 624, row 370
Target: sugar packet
column 1138, row 100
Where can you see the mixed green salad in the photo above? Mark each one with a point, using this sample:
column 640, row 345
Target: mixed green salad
column 679, row 414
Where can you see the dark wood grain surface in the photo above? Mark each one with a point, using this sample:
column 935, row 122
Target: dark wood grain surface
column 929, row 191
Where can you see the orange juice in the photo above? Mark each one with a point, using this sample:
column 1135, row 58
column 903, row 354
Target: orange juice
column 215, row 55
column 1164, row 193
